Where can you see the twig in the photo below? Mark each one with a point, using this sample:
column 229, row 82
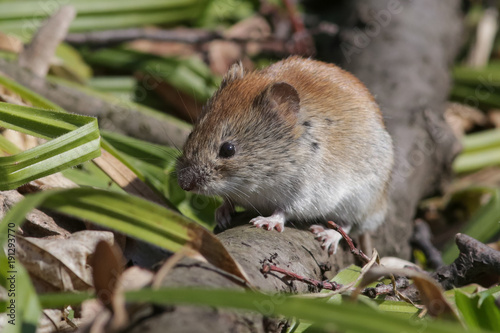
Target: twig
column 354, row 250
column 106, row 37
column 266, row 268
column 303, row 42
column 421, row 240
column 401, row 282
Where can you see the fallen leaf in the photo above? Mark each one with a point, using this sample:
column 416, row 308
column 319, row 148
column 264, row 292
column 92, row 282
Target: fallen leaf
column 61, row 263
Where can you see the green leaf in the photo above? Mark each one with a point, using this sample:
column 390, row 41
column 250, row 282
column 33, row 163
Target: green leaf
column 75, row 140
column 122, row 212
column 23, row 18
column 485, row 315
column 21, row 305
column 482, row 225
column 333, row 317
column 35, row 99
column 189, row 75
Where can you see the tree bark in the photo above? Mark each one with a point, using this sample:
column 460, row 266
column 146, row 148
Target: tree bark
column 404, row 62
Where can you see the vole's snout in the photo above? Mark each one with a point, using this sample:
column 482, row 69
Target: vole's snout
column 187, row 179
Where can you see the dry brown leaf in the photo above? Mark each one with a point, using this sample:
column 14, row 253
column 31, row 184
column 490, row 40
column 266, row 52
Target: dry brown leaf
column 222, row 54
column 396, row 263
column 494, row 117
column 210, row 247
column 21, row 140
column 90, row 310
column 10, row 43
column 135, row 278
column 462, row 118
column 53, row 320
column 61, row 263
column 110, row 282
column 495, row 245
column 487, row 176
column 37, row 222
column 254, row 27
column 431, row 294
column 55, row 180
column 185, row 106
column 107, row 267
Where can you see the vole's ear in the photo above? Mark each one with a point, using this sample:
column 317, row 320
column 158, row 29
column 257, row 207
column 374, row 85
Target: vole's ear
column 281, row 97
column 236, row 71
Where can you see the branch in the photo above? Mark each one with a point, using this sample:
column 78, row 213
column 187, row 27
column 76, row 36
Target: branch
column 474, row 261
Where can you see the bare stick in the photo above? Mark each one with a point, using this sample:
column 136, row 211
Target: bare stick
column 354, row 250
column 266, row 268
column 39, row 53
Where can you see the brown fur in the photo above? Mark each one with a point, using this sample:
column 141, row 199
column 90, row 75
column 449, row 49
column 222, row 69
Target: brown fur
column 309, row 138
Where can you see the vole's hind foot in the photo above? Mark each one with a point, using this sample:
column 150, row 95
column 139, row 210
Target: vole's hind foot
column 328, row 238
column 275, row 221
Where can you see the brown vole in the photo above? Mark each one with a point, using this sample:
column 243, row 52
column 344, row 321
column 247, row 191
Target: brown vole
column 300, row 140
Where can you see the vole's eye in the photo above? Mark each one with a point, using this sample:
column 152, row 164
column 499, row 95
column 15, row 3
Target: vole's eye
column 227, row 150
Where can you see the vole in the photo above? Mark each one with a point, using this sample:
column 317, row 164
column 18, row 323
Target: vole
column 300, row 140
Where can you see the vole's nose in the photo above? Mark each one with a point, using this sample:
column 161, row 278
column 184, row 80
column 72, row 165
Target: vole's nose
column 186, row 179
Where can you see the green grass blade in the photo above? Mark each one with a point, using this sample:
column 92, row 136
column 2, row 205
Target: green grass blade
column 481, row 140
column 341, row 317
column 7, row 147
column 485, row 315
column 476, row 160
column 75, row 139
column 334, row 317
column 475, row 96
column 35, row 99
column 482, row 225
column 481, row 150
column 24, row 9
column 24, row 18
column 125, row 213
column 22, row 305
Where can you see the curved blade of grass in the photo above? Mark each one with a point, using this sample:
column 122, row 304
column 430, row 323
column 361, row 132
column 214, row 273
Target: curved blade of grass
column 75, row 140
column 24, row 9
column 481, row 149
column 488, row 76
column 474, row 96
column 7, row 147
column 352, row 317
column 476, row 160
column 28, row 95
column 485, row 315
column 481, row 140
column 189, row 75
column 130, row 215
column 22, row 305
column 23, row 19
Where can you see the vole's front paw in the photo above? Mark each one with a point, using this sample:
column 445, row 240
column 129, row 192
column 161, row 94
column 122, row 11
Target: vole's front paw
column 270, row 222
column 328, row 238
column 275, row 221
